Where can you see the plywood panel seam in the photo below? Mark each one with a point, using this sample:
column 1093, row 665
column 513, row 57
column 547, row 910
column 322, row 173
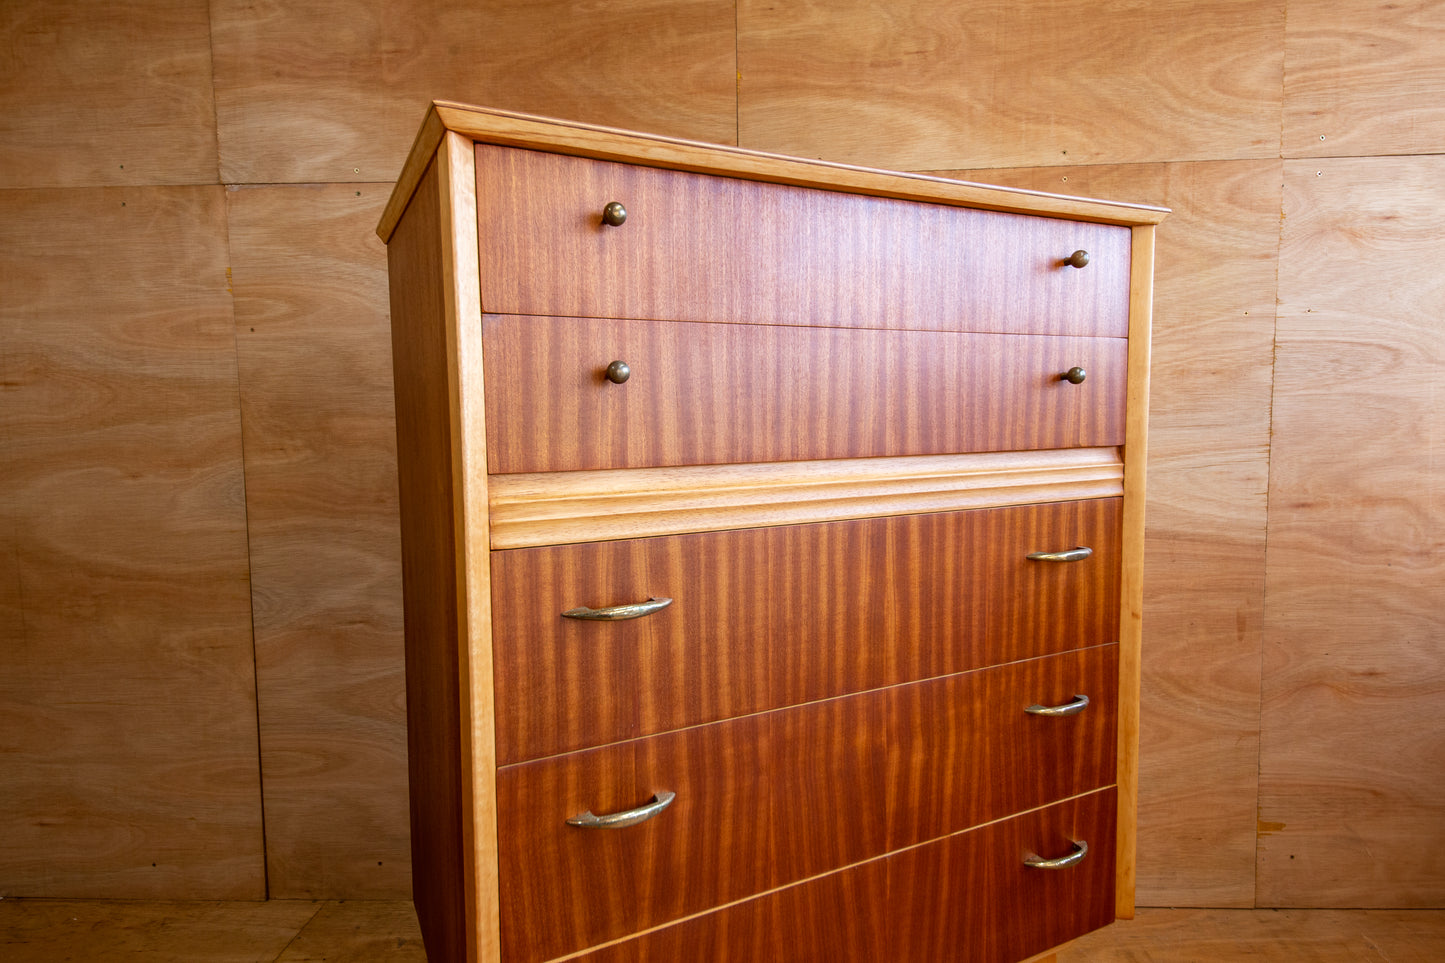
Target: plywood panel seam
column 250, row 558
column 316, row 911
column 1268, row 493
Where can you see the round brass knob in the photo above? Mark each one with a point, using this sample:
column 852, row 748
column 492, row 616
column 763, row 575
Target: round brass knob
column 614, row 214
column 1078, row 259
column 1074, row 376
column 618, row 372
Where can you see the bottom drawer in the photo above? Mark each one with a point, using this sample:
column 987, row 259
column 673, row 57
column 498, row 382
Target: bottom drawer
column 971, row 898
column 967, row 898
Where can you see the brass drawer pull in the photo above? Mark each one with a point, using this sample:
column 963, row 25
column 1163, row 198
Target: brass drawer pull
column 1063, row 862
column 618, row 372
column 617, row 613
column 1074, row 376
column 1072, row 555
column 1078, row 259
column 1080, row 703
column 615, row 215
column 622, row 820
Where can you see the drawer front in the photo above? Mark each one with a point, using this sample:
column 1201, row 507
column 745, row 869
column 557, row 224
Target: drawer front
column 701, row 248
column 970, row 898
column 770, row 617
column 837, row 918
column 705, row 394
column 970, row 751
column 965, row 899
column 760, row 802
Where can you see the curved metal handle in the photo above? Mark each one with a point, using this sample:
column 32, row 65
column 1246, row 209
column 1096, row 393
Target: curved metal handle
column 614, row 214
column 1072, row 555
column 617, row 613
column 618, row 372
column 1074, row 376
column 1081, row 849
column 622, row 820
column 1078, row 259
column 1080, row 703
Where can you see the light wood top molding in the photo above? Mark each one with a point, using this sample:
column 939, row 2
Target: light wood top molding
column 604, row 143
column 551, row 508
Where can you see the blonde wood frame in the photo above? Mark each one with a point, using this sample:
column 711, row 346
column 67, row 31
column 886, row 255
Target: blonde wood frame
column 605, row 143
column 456, row 161
column 583, row 506
column 1131, row 581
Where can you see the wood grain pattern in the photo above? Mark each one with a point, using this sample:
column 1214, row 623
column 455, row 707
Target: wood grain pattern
column 927, row 85
column 973, row 898
column 704, row 394
column 553, row 508
column 314, row 354
column 967, row 753
column 127, row 686
column 357, row 931
column 1306, row 936
column 773, row 617
column 429, row 578
column 1352, row 783
column 756, row 808
column 701, row 248
column 97, row 95
column 178, row 931
column 1209, row 436
column 385, row 931
column 1363, row 78
column 332, row 91
column 840, row 916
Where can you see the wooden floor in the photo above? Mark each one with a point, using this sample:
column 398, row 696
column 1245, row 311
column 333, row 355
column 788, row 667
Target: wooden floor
column 370, row 931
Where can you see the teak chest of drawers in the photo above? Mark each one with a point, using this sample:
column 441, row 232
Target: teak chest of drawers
column 771, row 534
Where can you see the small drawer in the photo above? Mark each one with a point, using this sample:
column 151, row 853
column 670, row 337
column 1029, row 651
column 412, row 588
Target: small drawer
column 759, row 802
column 703, row 248
column 971, row 898
column 770, row 617
column 977, row 746
column 708, row 394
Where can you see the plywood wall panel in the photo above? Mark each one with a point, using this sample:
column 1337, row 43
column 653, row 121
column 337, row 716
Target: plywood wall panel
column 1352, row 770
column 917, row 84
column 127, row 713
column 1364, row 77
column 94, row 94
column 1205, row 525
column 333, row 90
column 314, row 344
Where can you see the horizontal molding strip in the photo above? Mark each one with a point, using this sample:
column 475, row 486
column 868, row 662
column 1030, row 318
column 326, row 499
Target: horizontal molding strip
column 555, row 508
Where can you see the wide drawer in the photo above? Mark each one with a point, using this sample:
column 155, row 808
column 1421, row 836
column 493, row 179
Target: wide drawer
column 707, row 394
column 703, row 248
column 965, row 899
column 759, row 802
column 770, row 617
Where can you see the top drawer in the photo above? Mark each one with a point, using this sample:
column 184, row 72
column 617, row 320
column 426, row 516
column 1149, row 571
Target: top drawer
column 702, row 248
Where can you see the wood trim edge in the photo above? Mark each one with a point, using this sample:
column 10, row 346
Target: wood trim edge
column 1131, row 581
column 556, row 508
column 509, row 129
column 462, row 291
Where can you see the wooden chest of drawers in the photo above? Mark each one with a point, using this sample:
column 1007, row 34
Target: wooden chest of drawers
column 771, row 537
